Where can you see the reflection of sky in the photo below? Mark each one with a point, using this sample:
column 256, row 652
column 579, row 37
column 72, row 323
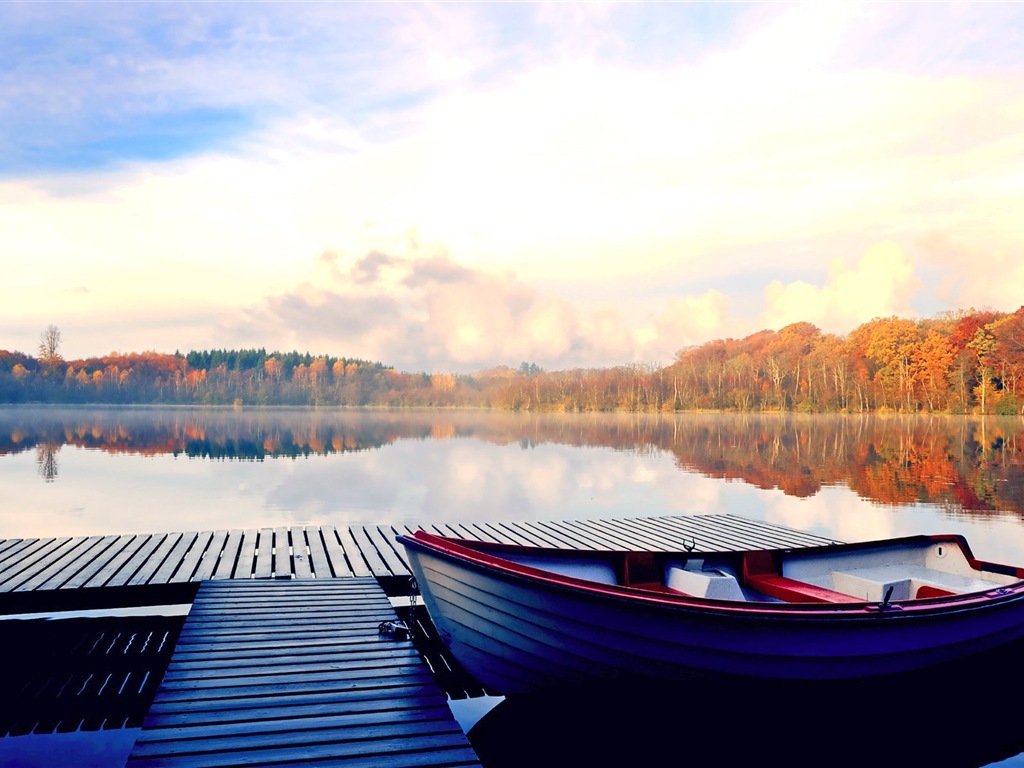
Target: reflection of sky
column 433, row 481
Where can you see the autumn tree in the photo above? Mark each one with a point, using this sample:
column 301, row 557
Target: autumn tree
column 1008, row 356
column 49, row 346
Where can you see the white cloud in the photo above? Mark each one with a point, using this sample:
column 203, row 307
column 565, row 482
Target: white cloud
column 577, row 171
column 881, row 284
column 686, row 321
column 973, row 276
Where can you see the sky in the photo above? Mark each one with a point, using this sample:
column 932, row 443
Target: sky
column 456, row 186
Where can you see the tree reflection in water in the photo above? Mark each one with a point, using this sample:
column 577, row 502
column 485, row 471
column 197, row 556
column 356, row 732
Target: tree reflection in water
column 961, row 463
column 46, row 461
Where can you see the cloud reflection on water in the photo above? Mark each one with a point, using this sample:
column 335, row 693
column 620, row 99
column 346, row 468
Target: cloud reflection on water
column 154, row 470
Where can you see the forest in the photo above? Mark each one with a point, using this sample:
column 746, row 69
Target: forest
column 967, row 361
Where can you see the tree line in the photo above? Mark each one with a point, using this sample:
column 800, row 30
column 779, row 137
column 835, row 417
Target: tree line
column 966, row 361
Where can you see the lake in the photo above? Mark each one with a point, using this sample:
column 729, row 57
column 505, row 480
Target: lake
column 148, row 470
column 88, row 471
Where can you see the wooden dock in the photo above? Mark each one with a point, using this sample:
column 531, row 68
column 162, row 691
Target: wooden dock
column 135, row 563
column 297, row 672
column 281, row 660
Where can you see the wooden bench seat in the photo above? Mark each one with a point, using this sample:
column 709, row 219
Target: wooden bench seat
column 793, row 591
column 761, row 573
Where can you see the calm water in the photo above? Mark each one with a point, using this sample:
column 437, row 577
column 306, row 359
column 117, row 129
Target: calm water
column 85, row 471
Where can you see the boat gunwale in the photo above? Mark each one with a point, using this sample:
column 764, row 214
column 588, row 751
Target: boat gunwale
column 486, row 556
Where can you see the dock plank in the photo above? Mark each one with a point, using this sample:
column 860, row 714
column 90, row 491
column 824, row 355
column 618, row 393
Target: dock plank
column 194, row 555
column 283, row 565
column 148, row 568
column 318, row 553
column 332, row 544
column 100, row 562
column 392, row 552
column 35, row 559
column 172, row 563
column 20, row 549
column 210, row 557
column 302, row 560
column 375, row 558
column 245, row 567
column 103, row 575
column 363, row 699
column 353, row 556
column 121, row 573
column 71, row 558
column 264, row 567
column 225, row 566
column 358, row 551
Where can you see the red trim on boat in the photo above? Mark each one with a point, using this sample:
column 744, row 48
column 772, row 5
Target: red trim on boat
column 489, row 555
column 927, row 590
column 761, row 574
column 793, row 591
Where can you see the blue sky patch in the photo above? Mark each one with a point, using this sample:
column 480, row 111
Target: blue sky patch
column 102, row 144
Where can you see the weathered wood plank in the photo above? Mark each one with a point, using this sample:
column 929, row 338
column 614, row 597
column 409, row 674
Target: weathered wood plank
column 648, row 537
column 352, row 695
column 370, row 692
column 373, row 556
column 71, row 559
column 352, row 554
column 100, row 577
column 101, row 561
column 309, row 683
column 245, row 568
column 228, row 560
column 264, row 567
column 383, row 538
column 149, row 568
column 36, row 559
column 585, row 536
column 318, row 553
column 391, row 699
column 517, row 534
column 328, row 552
column 211, row 557
column 781, row 536
column 335, row 552
column 20, row 550
column 6, row 544
column 191, row 559
column 283, row 566
column 302, row 561
column 705, row 536
column 373, row 751
column 561, row 539
column 122, row 573
column 172, row 562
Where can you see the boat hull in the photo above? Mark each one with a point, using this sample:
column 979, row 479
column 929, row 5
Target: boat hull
column 519, row 633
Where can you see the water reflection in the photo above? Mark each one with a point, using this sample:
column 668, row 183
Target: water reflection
column 46, row 461
column 156, row 469
column 971, row 464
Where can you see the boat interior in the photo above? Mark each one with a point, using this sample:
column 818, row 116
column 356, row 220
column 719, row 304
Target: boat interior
column 921, row 568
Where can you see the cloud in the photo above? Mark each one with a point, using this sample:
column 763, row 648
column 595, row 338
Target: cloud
column 562, row 152
column 685, row 322
column 881, row 284
column 427, row 312
column 974, row 276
